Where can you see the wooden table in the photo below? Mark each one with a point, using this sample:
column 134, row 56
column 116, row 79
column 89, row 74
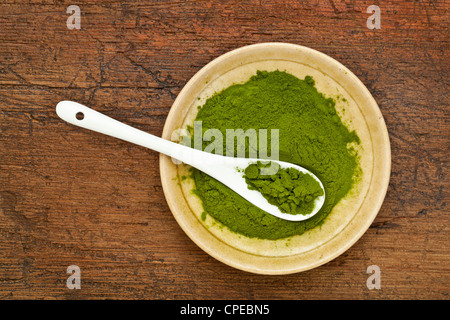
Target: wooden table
column 73, row 197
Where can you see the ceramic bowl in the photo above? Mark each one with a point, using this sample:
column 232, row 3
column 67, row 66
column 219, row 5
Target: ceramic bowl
column 348, row 220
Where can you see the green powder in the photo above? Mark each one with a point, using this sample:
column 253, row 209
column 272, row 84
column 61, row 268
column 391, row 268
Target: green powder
column 289, row 189
column 311, row 135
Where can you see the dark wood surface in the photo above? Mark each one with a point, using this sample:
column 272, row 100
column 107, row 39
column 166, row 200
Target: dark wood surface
column 73, row 197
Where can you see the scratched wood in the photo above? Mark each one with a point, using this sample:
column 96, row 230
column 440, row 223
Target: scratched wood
column 73, row 197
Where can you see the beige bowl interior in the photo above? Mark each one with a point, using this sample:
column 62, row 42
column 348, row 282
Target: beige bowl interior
column 348, row 220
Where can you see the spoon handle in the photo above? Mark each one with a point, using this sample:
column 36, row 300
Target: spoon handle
column 82, row 116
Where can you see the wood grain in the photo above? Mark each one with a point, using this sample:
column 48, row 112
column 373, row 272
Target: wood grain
column 73, row 197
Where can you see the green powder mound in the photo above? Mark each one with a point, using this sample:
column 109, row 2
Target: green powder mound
column 289, row 189
column 311, row 135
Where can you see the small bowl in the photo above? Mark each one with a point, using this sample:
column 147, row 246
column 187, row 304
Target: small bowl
column 348, row 220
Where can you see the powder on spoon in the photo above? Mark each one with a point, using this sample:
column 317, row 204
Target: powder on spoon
column 289, row 189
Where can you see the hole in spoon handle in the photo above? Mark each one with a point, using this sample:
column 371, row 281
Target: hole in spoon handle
column 79, row 115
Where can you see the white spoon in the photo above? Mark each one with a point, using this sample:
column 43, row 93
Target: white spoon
column 227, row 170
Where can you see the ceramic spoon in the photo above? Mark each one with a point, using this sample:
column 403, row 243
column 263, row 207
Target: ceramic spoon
column 227, row 170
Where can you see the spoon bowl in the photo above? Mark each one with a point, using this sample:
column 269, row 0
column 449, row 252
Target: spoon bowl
column 227, row 170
